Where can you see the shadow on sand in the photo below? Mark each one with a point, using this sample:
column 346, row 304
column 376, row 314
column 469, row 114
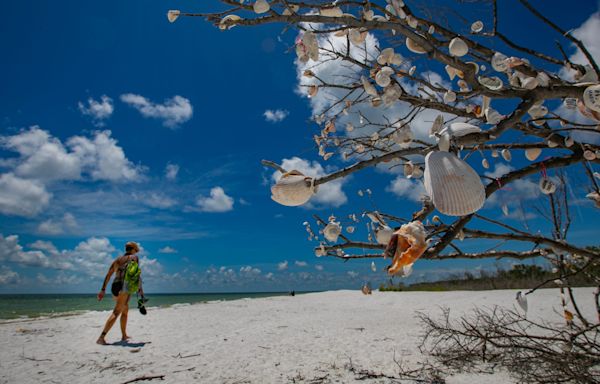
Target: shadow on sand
column 129, row 344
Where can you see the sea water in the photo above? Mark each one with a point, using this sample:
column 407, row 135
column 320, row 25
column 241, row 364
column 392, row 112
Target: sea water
column 26, row 306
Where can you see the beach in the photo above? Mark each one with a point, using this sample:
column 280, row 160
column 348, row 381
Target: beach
column 310, row 338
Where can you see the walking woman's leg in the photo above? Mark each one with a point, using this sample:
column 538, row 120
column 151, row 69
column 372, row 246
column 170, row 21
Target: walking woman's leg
column 109, row 323
column 124, row 313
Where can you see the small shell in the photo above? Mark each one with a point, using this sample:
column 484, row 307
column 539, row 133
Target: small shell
column 417, row 172
column 229, row 21
column 485, row 164
column 538, row 111
column 569, row 141
column 414, row 47
column 382, row 78
column 529, row 83
column 173, row 14
column 332, row 231
column 437, row 125
column 591, row 97
column 386, row 56
column 293, row 189
column 595, row 197
column 458, row 47
column 506, row 154
column 444, row 142
column 431, row 30
column 261, row 6
column 313, row 90
column 383, row 235
column 357, row 36
column 369, row 88
column 522, row 301
column 350, row 229
column 495, row 153
column 543, row 79
column 412, row 21
column 412, row 70
column 499, row 62
column 449, row 97
column 492, row 116
column 368, row 15
column 373, row 266
column 331, row 12
column 493, row 83
column 552, row 142
column 589, row 155
column 505, row 209
column 532, row 153
column 408, row 169
column 477, row 27
column 547, row 186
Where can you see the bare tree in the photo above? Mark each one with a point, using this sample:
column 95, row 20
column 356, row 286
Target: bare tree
column 375, row 65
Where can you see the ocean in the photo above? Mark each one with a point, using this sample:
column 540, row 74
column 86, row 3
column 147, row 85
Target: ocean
column 29, row 306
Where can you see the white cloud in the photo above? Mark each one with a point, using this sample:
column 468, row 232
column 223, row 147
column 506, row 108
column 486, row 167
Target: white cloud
column 319, row 267
column 173, row 112
column 155, row 200
column 588, row 33
column 275, row 116
column 171, row 171
column 66, row 223
column 513, row 193
column 7, row 276
column 329, row 194
column 98, row 110
column 248, row 270
column 167, row 249
column 21, row 197
column 301, row 263
column 217, row 202
column 12, row 251
column 282, row 266
column 352, row 274
column 410, row 189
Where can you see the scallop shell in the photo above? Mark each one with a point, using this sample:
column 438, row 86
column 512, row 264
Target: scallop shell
column 532, row 153
column 414, row 47
column 383, row 235
column 332, row 231
column 261, row 6
column 477, row 27
column 406, row 246
column 591, row 97
column 293, row 189
column 454, row 187
column 547, row 186
column 173, row 14
column 458, row 47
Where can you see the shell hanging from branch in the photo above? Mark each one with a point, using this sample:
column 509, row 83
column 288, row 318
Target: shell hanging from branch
column 532, row 153
column 383, row 234
column 261, row 6
column 293, row 189
column 332, row 231
column 405, row 247
column 458, row 47
column 454, row 187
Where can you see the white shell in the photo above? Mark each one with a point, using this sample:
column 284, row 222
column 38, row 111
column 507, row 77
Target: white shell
column 414, row 47
column 331, row 12
column 492, row 83
column 547, row 186
column 569, row 141
column 506, row 154
column 229, row 18
column 172, row 15
column 449, row 97
column 538, row 111
column 332, row 231
column 499, row 62
column 522, row 301
column 444, row 142
column 382, row 78
column 350, row 229
column 529, row 83
column 383, row 235
column 591, row 97
column 293, row 189
column 458, row 47
column 373, row 266
column 454, row 187
column 532, row 153
column 477, row 27
column 261, row 6
column 369, row 88
column 589, row 155
column 461, row 129
column 485, row 163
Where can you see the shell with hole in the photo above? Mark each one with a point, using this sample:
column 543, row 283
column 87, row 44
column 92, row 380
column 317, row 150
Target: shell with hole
column 332, row 231
column 406, row 246
column 454, row 187
column 547, row 186
column 293, row 189
column 477, row 27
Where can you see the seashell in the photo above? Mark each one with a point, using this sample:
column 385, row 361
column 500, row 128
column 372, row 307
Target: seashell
column 386, row 56
column 261, row 6
column 349, row 127
column 382, row 78
column 357, row 36
column 350, row 229
column 369, row 88
column 320, row 251
column 391, row 94
column 173, row 14
column 538, row 111
column 522, row 301
column 491, row 83
column 313, row 90
column 543, row 79
column 552, row 142
column 529, row 83
column 368, row 14
column 595, row 197
column 492, row 116
column 408, row 169
column 570, row 103
column 454, row 187
column 458, row 47
column 293, row 189
column 373, row 266
column 506, row 154
column 383, row 235
column 477, row 27
column 414, row 47
column 591, row 97
column 547, row 186
column 403, row 136
column 532, row 153
column 417, row 172
column 431, row 30
column 405, row 247
column 412, row 70
column 464, row 86
column 229, row 21
column 332, row 231
column 499, row 62
column 290, row 10
column 485, row 164
column 495, row 153
column 452, row 72
column 461, row 129
column 331, row 12
column 513, row 62
column 437, row 125
column 569, row 141
column 589, row 155
column 444, row 142
column 449, row 97
column 412, row 21
column 505, row 209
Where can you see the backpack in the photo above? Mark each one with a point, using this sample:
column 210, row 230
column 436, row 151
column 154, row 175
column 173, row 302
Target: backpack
column 132, row 276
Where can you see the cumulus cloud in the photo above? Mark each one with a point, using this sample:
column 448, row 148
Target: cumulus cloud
column 155, row 200
column 282, row 266
column 275, row 116
column 588, row 33
column 12, row 251
column 66, row 223
column 167, row 249
column 518, row 190
column 97, row 110
column 329, row 194
column 22, row 197
column 319, row 267
column 353, row 274
column 218, row 201
column 407, row 188
column 248, row 270
column 300, row 263
column 171, row 171
column 8, row 276
column 173, row 112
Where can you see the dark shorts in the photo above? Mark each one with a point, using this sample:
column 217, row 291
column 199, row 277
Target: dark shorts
column 116, row 287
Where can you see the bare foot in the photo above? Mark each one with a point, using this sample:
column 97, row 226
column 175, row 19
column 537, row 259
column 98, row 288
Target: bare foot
column 125, row 338
column 101, row 341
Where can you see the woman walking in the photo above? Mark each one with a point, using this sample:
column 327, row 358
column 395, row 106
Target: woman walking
column 121, row 289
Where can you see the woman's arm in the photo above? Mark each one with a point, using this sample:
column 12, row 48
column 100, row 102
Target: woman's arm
column 111, row 270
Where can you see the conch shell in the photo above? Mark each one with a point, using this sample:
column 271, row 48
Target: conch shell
column 406, row 246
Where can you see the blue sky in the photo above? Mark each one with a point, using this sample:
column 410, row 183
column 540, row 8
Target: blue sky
column 118, row 126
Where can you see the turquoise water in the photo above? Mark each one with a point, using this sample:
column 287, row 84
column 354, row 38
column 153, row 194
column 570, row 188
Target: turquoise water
column 37, row 305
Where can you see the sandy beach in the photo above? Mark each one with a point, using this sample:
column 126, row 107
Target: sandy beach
column 309, row 338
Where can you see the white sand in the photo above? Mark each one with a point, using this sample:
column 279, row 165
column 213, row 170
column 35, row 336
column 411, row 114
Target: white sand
column 267, row 340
